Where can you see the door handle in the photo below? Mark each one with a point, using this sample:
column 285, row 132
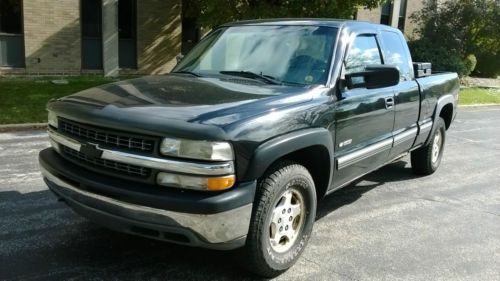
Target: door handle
column 389, row 102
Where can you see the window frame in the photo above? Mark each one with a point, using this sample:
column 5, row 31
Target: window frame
column 22, row 35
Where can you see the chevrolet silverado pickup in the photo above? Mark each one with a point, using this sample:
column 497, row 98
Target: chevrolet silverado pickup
column 259, row 121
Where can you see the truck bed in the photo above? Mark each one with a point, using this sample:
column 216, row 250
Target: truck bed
column 433, row 87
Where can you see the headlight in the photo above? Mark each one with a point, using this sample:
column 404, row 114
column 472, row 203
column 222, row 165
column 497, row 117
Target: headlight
column 195, row 182
column 52, row 119
column 202, row 150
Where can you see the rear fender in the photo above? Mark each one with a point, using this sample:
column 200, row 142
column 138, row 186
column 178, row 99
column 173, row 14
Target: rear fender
column 442, row 101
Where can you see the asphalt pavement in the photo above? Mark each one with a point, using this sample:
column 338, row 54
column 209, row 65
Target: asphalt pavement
column 390, row 225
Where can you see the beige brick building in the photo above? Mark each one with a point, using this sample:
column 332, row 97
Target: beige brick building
column 43, row 37
column 112, row 37
column 395, row 13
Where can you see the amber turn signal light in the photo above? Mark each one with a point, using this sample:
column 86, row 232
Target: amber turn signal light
column 220, row 183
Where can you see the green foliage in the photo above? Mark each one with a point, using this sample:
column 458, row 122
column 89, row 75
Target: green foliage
column 470, row 63
column 442, row 59
column 458, row 29
column 211, row 13
column 488, row 64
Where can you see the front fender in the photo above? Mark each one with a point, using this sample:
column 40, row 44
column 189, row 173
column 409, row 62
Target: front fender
column 270, row 151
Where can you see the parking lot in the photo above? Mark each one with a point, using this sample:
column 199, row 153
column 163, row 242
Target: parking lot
column 391, row 225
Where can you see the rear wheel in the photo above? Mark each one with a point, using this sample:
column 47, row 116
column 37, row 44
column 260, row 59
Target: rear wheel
column 282, row 220
column 426, row 160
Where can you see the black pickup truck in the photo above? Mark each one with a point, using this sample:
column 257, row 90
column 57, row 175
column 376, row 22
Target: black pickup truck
column 234, row 147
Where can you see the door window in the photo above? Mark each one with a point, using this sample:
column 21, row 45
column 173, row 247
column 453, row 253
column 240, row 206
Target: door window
column 363, row 52
column 395, row 53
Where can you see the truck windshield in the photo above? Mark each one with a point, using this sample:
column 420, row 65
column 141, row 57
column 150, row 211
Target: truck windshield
column 296, row 55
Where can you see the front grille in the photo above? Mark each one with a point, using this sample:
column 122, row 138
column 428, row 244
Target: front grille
column 102, row 136
column 114, row 166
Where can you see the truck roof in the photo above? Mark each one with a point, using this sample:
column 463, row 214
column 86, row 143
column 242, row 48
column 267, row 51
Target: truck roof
column 309, row 21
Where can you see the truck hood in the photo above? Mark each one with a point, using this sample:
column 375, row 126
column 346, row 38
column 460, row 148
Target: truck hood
column 182, row 99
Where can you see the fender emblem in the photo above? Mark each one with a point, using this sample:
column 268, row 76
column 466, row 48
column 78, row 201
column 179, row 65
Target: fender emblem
column 344, row 143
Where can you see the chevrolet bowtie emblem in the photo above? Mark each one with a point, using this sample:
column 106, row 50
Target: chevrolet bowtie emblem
column 90, row 150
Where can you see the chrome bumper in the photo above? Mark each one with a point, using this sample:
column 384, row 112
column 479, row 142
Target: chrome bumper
column 205, row 230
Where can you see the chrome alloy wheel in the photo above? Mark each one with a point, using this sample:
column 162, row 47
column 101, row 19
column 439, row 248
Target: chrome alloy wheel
column 436, row 146
column 287, row 220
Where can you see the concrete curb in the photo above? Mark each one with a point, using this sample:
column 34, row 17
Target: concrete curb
column 478, row 105
column 22, row 127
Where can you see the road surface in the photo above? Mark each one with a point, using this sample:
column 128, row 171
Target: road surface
column 391, row 225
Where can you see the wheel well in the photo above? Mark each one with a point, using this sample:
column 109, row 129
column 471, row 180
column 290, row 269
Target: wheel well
column 447, row 114
column 316, row 159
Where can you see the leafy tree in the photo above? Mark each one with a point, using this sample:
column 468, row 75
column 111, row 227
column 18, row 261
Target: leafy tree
column 453, row 33
column 214, row 12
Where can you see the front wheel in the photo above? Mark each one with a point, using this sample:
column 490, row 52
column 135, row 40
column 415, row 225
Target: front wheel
column 426, row 160
column 282, row 220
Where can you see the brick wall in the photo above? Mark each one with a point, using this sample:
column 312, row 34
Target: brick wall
column 52, row 36
column 372, row 15
column 412, row 7
column 158, row 35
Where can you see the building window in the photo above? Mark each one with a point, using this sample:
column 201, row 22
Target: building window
column 402, row 15
column 190, row 34
column 127, row 30
column 11, row 33
column 190, row 31
column 91, row 17
column 387, row 12
column 385, row 17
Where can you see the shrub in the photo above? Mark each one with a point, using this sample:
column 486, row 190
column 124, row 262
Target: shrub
column 470, row 63
column 441, row 58
column 460, row 32
column 488, row 65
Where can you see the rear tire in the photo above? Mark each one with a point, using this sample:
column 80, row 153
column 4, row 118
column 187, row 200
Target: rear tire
column 426, row 160
column 282, row 220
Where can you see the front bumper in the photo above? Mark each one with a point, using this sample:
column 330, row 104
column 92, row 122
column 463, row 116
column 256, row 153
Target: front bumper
column 218, row 221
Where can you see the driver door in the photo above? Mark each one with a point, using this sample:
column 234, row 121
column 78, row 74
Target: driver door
column 364, row 117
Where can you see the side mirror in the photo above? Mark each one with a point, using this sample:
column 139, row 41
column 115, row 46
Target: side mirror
column 179, row 57
column 373, row 77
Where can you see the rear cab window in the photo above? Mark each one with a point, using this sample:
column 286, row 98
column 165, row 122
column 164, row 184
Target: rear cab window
column 395, row 54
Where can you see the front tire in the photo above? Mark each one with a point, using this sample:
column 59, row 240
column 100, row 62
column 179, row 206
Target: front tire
column 426, row 160
column 282, row 219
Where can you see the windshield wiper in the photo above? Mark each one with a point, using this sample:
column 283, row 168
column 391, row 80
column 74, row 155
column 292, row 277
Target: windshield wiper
column 252, row 75
column 187, row 72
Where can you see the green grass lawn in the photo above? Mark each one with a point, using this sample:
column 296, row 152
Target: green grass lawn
column 479, row 96
column 24, row 100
